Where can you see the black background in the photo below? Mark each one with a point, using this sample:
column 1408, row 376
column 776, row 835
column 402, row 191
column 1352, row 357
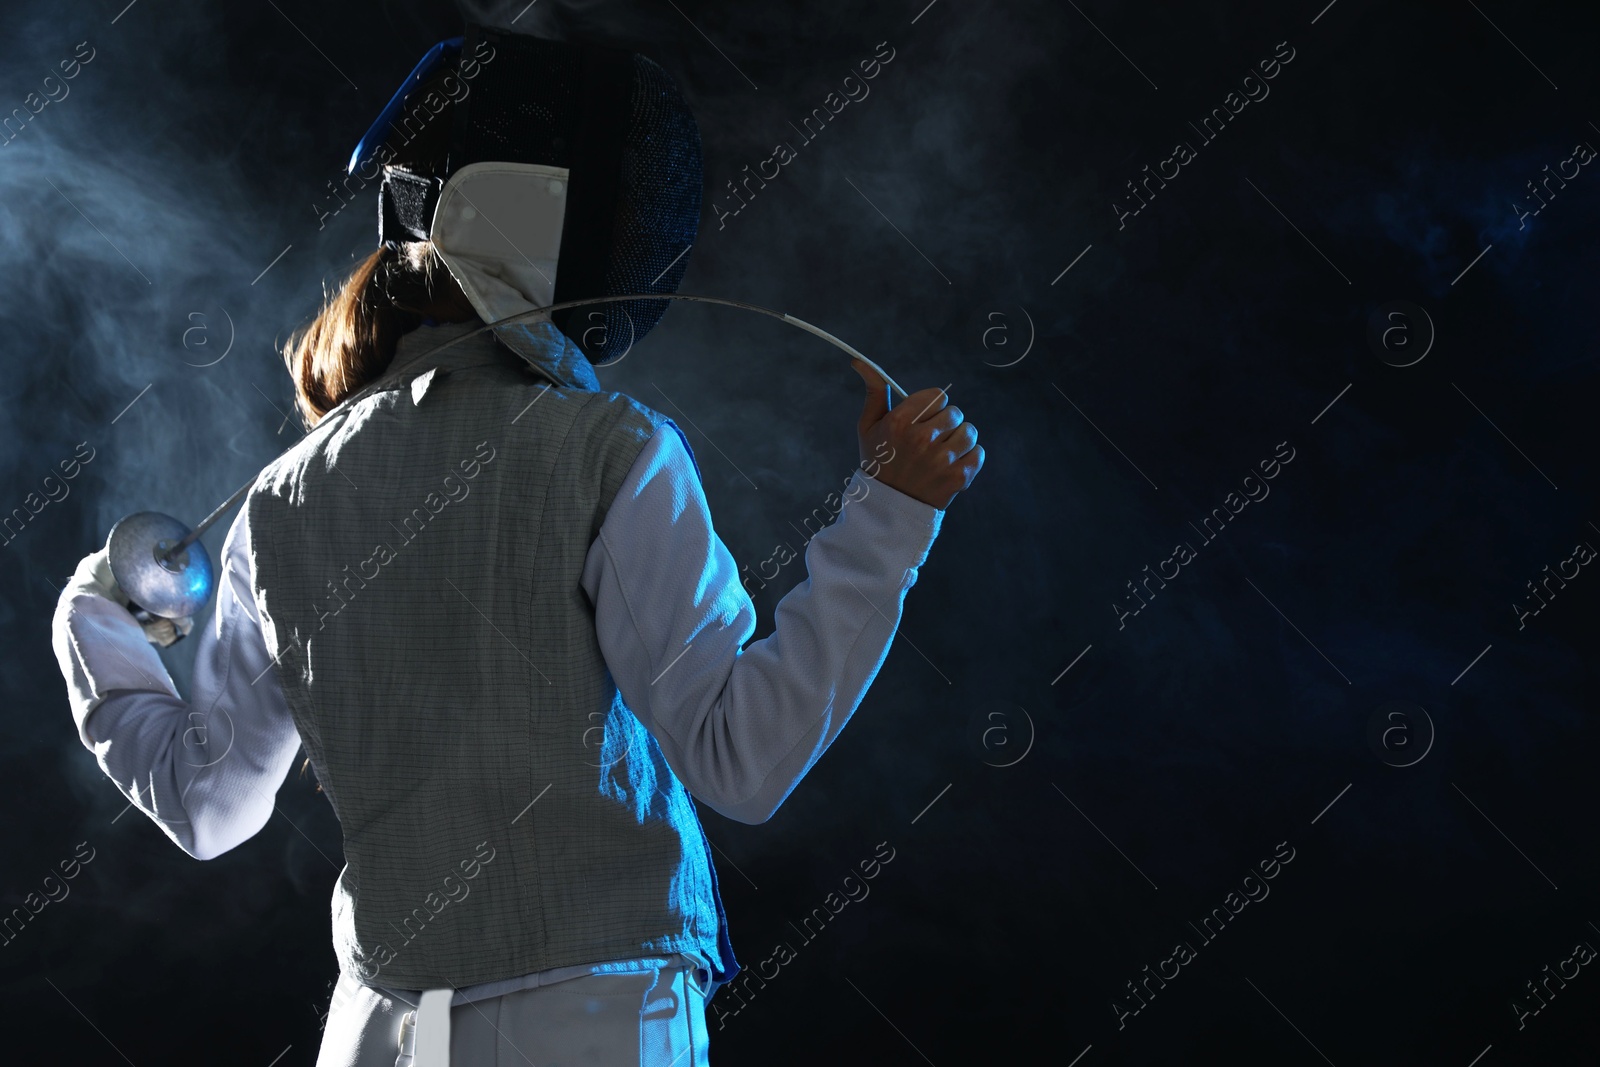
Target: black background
column 929, row 225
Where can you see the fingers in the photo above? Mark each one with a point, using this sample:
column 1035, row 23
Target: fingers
column 877, row 401
column 960, row 441
column 948, row 428
column 963, row 466
column 939, row 447
column 105, row 581
column 167, row 632
column 160, row 632
column 942, row 421
column 970, row 465
column 868, row 375
column 925, row 402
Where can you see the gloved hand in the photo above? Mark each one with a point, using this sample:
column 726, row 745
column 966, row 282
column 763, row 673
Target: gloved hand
column 96, row 570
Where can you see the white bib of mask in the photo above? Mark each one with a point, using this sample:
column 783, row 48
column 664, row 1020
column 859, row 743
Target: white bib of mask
column 498, row 229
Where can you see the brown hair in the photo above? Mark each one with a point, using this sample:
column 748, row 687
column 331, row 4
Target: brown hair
column 352, row 339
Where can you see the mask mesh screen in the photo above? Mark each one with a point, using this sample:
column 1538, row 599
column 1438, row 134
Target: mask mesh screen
column 525, row 107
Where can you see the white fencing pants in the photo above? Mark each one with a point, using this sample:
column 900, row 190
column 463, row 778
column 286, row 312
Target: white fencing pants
column 647, row 1018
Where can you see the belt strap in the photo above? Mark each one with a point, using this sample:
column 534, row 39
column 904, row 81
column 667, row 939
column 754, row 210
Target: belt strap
column 425, row 1032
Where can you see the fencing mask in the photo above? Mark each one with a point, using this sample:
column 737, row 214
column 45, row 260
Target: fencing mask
column 546, row 171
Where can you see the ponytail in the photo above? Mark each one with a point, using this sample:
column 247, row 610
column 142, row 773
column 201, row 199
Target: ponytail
column 352, row 340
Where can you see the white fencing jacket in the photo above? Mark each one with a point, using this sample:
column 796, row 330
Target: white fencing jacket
column 739, row 726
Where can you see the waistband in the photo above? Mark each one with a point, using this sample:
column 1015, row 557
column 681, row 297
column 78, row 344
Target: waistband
column 487, row 990
column 425, row 1030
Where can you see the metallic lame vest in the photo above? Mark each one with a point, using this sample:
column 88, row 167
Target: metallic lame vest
column 417, row 569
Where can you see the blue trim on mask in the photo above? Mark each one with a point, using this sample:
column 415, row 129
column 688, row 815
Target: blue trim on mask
column 447, row 51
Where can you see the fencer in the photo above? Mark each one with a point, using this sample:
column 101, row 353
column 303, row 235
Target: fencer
column 488, row 599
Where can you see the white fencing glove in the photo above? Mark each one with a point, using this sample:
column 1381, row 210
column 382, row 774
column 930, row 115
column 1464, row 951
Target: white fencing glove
column 94, row 576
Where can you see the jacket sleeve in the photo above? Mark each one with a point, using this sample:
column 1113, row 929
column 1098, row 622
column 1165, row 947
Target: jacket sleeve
column 204, row 770
column 742, row 726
